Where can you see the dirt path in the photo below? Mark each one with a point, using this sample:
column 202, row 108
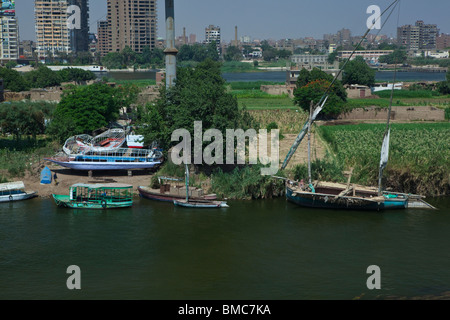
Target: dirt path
column 67, row 178
column 301, row 155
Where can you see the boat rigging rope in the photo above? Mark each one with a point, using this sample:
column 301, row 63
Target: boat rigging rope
column 325, row 95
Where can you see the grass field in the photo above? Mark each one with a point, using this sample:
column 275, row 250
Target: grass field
column 141, row 83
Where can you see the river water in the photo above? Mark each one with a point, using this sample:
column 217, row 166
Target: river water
column 265, row 249
column 280, row 76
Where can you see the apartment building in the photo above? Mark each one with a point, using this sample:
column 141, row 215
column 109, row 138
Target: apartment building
column 9, row 46
column 9, row 33
column 132, row 23
column 416, row 37
column 59, row 29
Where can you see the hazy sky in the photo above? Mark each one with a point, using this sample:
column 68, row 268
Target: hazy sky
column 269, row 19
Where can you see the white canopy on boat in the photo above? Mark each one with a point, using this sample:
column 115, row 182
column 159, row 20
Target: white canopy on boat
column 10, row 186
column 100, row 186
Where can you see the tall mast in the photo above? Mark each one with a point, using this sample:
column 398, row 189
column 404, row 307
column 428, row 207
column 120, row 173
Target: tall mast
column 309, row 142
column 322, row 101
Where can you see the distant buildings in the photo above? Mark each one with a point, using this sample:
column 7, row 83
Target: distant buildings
column 370, row 56
column 416, row 37
column 9, row 34
column 343, row 38
column 52, row 32
column 131, row 23
column 27, row 48
column 443, row 41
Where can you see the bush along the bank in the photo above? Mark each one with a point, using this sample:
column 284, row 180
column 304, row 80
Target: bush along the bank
column 327, row 169
column 246, row 183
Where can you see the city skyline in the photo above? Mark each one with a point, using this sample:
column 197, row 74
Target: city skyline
column 265, row 19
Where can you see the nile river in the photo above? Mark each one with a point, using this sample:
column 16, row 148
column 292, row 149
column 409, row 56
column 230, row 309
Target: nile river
column 267, row 249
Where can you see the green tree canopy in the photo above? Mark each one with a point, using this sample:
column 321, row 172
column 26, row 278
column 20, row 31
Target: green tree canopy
column 24, row 118
column 199, row 94
column 76, row 74
column 399, row 56
column 84, row 109
column 13, row 80
column 358, row 72
column 233, row 54
column 43, row 77
column 312, row 85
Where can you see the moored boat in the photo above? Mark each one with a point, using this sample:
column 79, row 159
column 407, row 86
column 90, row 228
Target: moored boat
column 189, row 203
column 328, row 195
column 119, row 159
column 200, row 204
column 96, row 196
column 15, row 191
column 166, row 194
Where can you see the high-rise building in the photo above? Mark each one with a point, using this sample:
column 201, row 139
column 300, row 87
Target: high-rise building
column 132, row 23
column 212, row 33
column 418, row 37
column 103, row 44
column 9, row 34
column 61, row 27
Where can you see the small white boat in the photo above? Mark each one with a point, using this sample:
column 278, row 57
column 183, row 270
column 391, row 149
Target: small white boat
column 15, row 191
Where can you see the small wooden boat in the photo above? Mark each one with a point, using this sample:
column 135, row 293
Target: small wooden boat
column 187, row 203
column 15, row 191
column 200, row 204
column 96, row 196
column 164, row 194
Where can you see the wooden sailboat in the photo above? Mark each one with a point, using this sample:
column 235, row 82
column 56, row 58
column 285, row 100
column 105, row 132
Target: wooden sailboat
column 348, row 196
column 189, row 203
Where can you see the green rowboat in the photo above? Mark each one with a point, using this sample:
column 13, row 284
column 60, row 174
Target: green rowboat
column 96, row 196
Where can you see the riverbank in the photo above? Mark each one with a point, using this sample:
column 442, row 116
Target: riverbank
column 66, row 178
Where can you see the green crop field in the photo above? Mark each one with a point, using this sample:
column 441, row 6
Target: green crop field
column 419, row 153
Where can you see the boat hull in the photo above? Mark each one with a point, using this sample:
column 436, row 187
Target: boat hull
column 93, row 166
column 65, row 202
column 157, row 196
column 200, row 204
column 329, row 201
column 18, row 197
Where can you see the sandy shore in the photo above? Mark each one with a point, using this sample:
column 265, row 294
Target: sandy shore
column 67, row 177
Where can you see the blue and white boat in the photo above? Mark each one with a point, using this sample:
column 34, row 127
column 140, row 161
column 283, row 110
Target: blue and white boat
column 119, row 159
column 15, row 191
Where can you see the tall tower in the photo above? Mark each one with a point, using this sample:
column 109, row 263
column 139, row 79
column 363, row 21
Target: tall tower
column 132, row 23
column 61, row 26
column 170, row 51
